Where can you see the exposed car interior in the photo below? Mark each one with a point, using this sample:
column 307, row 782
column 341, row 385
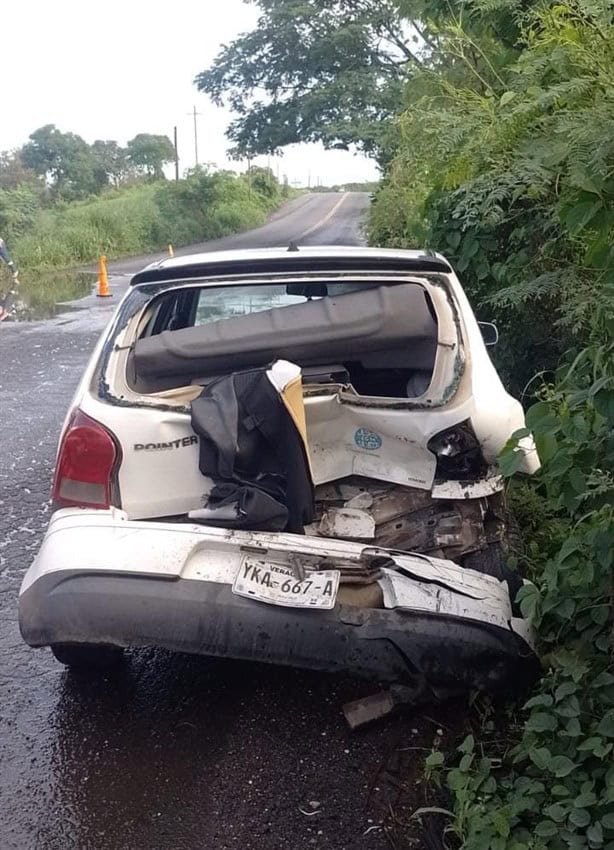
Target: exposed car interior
column 381, row 339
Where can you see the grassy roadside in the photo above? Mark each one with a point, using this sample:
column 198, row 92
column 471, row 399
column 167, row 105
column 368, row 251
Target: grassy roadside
column 139, row 219
column 49, row 243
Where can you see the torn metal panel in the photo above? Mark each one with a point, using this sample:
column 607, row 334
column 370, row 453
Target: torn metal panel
column 411, row 594
column 487, row 486
column 109, row 541
column 345, row 440
column 347, row 523
column 409, row 519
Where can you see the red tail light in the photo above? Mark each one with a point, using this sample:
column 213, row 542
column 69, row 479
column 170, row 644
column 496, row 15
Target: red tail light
column 87, row 460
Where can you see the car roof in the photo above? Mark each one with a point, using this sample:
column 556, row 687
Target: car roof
column 291, row 260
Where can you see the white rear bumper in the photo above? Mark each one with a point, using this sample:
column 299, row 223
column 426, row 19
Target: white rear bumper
column 100, row 578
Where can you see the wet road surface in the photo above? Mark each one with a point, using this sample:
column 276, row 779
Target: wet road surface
column 175, row 752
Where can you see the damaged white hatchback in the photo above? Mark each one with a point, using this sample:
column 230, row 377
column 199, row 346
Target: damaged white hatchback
column 288, row 456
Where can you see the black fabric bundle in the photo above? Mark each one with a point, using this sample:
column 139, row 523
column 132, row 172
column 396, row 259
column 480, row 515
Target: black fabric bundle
column 252, row 450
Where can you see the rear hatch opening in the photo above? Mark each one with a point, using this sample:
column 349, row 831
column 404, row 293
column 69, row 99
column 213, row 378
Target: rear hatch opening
column 380, row 339
column 376, row 356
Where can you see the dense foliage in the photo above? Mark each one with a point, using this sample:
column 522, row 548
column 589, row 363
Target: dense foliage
column 505, row 162
column 553, row 787
column 508, row 171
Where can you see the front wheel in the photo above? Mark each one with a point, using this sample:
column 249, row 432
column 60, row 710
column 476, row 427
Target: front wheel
column 87, row 657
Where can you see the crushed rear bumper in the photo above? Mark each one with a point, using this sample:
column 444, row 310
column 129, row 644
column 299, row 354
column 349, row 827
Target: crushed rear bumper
column 74, row 595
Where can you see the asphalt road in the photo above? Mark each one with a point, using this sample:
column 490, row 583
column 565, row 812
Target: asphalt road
column 311, row 219
column 176, row 752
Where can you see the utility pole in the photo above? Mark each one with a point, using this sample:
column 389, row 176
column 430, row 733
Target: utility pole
column 195, row 114
column 249, row 175
column 176, row 154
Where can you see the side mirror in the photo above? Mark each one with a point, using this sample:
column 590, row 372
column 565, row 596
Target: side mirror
column 490, row 333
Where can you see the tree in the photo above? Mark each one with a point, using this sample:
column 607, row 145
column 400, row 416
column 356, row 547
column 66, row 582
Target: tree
column 112, row 164
column 315, row 70
column 13, row 172
column 64, row 159
column 262, row 180
column 148, row 153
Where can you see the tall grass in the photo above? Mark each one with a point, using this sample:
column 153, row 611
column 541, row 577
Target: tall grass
column 143, row 218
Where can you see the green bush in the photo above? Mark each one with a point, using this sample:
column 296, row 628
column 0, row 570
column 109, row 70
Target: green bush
column 555, row 788
column 19, row 208
column 212, row 205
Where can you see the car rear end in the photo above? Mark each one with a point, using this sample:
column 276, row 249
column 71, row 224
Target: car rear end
column 404, row 416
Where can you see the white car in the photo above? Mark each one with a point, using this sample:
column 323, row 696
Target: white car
column 288, row 456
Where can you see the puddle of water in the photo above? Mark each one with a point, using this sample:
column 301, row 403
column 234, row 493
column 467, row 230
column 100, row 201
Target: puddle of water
column 41, row 293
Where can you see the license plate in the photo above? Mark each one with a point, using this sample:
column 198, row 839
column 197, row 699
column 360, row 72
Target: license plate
column 277, row 584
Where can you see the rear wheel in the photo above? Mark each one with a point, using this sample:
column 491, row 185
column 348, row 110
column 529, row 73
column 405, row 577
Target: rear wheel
column 493, row 562
column 86, row 657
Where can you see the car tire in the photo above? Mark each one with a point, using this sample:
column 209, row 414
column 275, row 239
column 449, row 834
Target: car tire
column 492, row 561
column 88, row 658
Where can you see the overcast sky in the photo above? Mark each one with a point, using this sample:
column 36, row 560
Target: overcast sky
column 113, row 69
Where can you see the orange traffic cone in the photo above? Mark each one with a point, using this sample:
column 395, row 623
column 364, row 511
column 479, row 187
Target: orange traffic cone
column 103, row 281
